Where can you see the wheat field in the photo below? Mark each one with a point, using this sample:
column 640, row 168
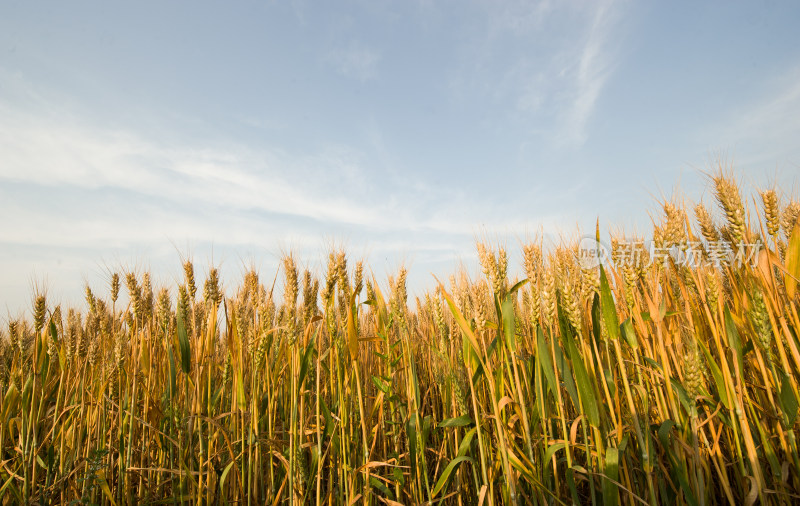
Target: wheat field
column 668, row 373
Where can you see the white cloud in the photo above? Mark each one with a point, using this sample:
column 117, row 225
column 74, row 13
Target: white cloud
column 356, row 61
column 192, row 185
column 52, row 153
column 593, row 69
column 552, row 77
column 766, row 129
column 517, row 16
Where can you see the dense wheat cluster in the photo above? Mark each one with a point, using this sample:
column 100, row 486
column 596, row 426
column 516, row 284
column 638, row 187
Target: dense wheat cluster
column 668, row 375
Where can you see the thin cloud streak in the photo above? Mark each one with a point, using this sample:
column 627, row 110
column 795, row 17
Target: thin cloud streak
column 54, row 155
column 594, row 69
column 356, row 61
column 517, row 16
column 767, row 129
column 60, row 154
column 555, row 92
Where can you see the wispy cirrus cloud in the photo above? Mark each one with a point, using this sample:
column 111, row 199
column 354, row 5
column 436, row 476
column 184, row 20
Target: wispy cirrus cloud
column 589, row 75
column 764, row 129
column 197, row 186
column 235, row 177
column 555, row 88
column 517, row 16
column 355, row 60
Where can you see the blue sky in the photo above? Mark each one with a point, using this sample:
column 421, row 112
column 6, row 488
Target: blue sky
column 131, row 133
